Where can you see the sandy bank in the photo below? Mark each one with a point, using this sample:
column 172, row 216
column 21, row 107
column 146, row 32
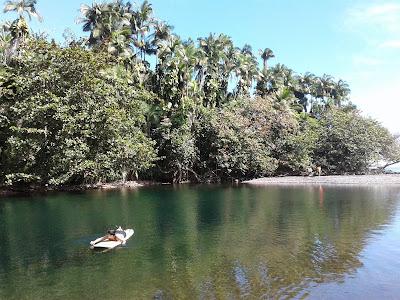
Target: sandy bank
column 384, row 179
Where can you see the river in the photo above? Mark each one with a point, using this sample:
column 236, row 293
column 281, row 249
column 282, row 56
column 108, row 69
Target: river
column 204, row 242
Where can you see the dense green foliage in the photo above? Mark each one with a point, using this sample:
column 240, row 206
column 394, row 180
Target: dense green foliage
column 97, row 110
column 349, row 142
column 63, row 121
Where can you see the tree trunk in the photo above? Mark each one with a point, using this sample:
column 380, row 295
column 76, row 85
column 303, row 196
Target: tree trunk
column 124, row 174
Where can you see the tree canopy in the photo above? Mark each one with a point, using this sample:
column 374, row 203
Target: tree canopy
column 132, row 99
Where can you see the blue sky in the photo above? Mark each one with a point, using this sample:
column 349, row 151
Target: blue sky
column 358, row 40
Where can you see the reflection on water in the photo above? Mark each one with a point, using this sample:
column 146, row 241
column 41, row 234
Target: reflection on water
column 204, row 242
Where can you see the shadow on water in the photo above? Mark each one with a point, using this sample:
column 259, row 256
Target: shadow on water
column 194, row 242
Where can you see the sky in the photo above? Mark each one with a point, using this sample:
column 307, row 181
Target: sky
column 355, row 40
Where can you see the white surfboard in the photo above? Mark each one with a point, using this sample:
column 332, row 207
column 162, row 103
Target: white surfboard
column 124, row 235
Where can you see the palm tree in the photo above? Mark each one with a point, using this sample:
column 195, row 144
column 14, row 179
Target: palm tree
column 5, row 41
column 266, row 54
column 141, row 24
column 187, row 57
column 324, row 86
column 282, row 77
column 217, row 67
column 19, row 29
column 12, row 35
column 109, row 27
column 176, row 71
column 307, row 82
column 167, row 48
column 160, row 38
column 162, row 33
column 246, row 71
column 119, row 44
column 340, row 92
column 247, row 49
column 305, row 89
column 94, row 19
column 22, row 7
column 323, row 93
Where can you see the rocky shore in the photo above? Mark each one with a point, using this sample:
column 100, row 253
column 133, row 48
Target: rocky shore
column 373, row 180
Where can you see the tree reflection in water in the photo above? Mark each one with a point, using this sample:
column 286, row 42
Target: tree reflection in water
column 204, row 242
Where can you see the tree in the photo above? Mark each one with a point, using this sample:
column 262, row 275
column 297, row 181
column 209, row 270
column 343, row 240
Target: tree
column 229, row 147
column 178, row 152
column 175, row 72
column 340, row 92
column 304, row 91
column 141, row 24
column 162, row 35
column 216, row 68
column 18, row 29
column 350, row 143
column 5, row 42
column 266, row 54
column 289, row 137
column 389, row 151
column 109, row 27
column 22, row 7
column 276, row 79
column 246, row 71
column 118, row 44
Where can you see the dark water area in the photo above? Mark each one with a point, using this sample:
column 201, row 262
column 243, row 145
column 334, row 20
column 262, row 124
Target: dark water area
column 204, row 242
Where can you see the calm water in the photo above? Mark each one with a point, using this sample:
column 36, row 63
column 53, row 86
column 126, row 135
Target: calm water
column 205, row 242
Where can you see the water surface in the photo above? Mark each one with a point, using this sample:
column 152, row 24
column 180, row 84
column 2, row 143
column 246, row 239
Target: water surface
column 204, row 242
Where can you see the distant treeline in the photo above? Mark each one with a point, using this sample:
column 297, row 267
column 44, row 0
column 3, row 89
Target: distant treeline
column 132, row 100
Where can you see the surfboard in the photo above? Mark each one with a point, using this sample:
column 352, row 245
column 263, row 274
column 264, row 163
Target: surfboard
column 124, row 235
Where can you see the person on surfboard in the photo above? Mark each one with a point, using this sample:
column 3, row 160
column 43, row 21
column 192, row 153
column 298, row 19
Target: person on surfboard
column 110, row 236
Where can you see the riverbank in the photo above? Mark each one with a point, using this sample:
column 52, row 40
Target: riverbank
column 6, row 191
column 384, row 179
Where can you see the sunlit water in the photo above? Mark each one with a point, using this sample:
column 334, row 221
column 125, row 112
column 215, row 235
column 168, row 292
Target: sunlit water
column 204, row 242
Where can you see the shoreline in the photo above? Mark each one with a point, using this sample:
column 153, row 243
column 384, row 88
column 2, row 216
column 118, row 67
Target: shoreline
column 6, row 191
column 372, row 180
column 346, row 180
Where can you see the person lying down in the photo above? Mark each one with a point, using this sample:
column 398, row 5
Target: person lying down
column 110, row 236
